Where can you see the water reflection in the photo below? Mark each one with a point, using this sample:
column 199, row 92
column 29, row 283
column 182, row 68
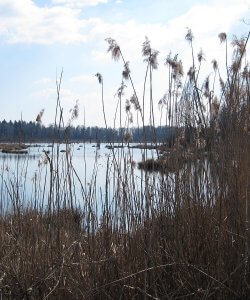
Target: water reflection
column 87, row 176
column 80, row 172
column 11, row 157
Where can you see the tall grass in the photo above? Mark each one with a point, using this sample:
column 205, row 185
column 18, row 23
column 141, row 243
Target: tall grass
column 180, row 233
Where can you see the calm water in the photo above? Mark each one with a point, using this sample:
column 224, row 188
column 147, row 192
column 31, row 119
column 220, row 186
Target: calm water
column 96, row 176
column 25, row 178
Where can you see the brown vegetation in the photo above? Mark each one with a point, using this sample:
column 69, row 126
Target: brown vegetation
column 182, row 234
column 13, row 148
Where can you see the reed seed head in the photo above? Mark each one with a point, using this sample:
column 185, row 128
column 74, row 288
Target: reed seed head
column 201, row 56
column 153, row 59
column 169, row 59
column 189, row 35
column 206, row 87
column 120, row 91
column 113, row 48
column 146, row 47
column 126, row 71
column 222, row 84
column 135, row 102
column 239, row 44
column 222, row 36
column 149, row 53
column 246, row 72
column 176, row 65
column 39, row 116
column 75, row 111
column 99, row 77
column 215, row 64
column 215, row 106
column 191, row 74
column 127, row 106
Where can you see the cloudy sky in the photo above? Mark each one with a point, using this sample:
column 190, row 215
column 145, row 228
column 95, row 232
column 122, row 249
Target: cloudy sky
column 40, row 37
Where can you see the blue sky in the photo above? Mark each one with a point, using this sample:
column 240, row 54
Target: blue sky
column 38, row 38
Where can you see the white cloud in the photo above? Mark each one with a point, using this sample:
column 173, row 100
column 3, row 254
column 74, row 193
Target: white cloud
column 206, row 21
column 83, row 79
column 25, row 22
column 90, row 102
column 79, row 3
column 100, row 56
column 49, row 94
column 45, row 94
column 44, row 81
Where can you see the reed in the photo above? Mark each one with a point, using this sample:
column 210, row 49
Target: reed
column 181, row 233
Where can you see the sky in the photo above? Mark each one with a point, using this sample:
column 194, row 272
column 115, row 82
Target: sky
column 39, row 38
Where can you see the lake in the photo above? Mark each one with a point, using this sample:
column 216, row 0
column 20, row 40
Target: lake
column 93, row 174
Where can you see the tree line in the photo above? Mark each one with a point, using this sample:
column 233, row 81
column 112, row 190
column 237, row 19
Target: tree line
column 22, row 131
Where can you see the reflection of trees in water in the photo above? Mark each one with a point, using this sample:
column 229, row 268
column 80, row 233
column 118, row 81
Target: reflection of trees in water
column 17, row 157
column 195, row 180
column 199, row 179
column 22, row 180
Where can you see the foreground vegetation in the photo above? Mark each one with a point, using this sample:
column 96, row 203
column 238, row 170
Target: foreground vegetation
column 182, row 233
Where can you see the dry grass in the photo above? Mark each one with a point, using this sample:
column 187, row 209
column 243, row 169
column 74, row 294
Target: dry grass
column 180, row 234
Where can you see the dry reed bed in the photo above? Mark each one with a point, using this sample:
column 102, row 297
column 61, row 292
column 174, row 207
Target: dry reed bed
column 179, row 234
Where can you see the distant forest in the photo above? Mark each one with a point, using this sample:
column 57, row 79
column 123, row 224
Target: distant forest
column 21, row 131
